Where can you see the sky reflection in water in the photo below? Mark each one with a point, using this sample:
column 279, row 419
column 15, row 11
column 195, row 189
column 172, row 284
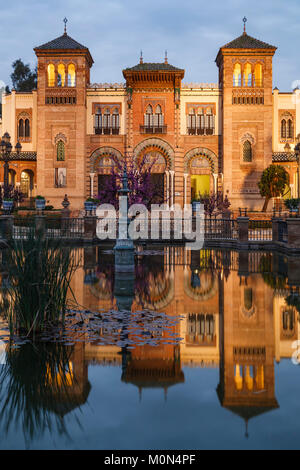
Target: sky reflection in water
column 194, row 351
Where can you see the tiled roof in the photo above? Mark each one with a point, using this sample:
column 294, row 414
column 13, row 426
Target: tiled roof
column 63, row 42
column 24, row 156
column 150, row 66
column 247, row 42
column 284, row 157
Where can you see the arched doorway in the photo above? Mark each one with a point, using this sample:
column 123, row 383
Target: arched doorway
column 11, row 177
column 104, row 168
column 200, row 174
column 154, row 160
column 27, row 178
column 102, row 162
column 201, row 179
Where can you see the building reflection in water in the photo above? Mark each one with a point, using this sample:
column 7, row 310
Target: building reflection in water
column 239, row 313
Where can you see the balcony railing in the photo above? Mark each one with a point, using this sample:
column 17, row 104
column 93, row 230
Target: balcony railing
column 153, row 129
column 200, row 130
column 107, row 130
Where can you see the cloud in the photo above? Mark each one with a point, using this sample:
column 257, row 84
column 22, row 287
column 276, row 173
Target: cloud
column 116, row 30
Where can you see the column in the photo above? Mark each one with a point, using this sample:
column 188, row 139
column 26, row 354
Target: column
column 215, row 175
column 167, row 188
column 172, row 172
column 92, row 184
column 185, row 176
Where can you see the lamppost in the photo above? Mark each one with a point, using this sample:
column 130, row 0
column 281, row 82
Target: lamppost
column 6, row 148
column 297, row 152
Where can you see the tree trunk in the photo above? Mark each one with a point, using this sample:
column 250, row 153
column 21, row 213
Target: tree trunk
column 264, row 209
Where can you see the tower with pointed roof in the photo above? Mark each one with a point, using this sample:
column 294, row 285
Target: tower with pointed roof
column 245, row 77
column 63, row 74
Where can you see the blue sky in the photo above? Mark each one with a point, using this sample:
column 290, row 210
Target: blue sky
column 116, row 30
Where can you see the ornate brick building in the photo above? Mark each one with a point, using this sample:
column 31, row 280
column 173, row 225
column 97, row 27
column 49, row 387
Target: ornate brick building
column 203, row 137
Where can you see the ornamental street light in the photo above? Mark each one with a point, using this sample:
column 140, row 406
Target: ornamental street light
column 6, row 149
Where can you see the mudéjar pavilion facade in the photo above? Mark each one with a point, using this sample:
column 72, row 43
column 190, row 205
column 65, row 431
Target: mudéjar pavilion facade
column 203, row 137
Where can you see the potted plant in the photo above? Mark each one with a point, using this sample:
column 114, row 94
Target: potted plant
column 196, row 204
column 292, row 204
column 91, row 204
column 7, row 204
column 40, row 203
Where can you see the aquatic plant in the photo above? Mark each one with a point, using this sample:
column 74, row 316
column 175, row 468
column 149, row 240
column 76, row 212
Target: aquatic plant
column 38, row 387
column 40, row 273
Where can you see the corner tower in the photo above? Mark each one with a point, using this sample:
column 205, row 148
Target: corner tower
column 245, row 77
column 63, row 74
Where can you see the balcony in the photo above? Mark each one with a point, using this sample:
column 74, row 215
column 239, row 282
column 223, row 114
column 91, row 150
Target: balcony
column 200, row 130
column 153, row 129
column 107, row 130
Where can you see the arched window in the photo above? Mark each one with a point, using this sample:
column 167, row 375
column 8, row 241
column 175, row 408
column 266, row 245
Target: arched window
column 98, row 121
column 247, row 151
column 290, row 129
column 61, row 75
column 148, row 118
column 71, row 75
column 192, row 122
column 288, row 320
column 258, row 75
column 158, row 118
column 51, row 75
column 21, row 128
column 115, row 121
column 283, row 129
column 60, row 151
column 106, row 121
column 248, row 300
column 210, row 122
column 27, row 128
column 201, row 122
column 247, row 75
column 237, row 75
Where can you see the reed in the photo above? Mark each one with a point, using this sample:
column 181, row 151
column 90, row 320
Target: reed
column 40, row 273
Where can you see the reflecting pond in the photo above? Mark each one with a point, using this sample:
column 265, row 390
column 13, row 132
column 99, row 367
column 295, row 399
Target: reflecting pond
column 195, row 350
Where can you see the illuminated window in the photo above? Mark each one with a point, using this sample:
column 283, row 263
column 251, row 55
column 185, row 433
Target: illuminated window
column 237, row 75
column 247, row 75
column 71, row 75
column 61, row 75
column 51, row 75
column 258, row 75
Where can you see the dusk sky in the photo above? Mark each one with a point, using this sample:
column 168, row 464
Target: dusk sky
column 116, row 30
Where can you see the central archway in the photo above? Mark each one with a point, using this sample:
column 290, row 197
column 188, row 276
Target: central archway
column 160, row 155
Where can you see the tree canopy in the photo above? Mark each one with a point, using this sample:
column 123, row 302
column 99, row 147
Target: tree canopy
column 22, row 77
column 273, row 183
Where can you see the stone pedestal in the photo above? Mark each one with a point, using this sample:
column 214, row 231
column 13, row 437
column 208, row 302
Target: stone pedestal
column 244, row 263
column 40, row 226
column 293, row 226
column 275, row 229
column 90, row 223
column 243, row 228
column 6, row 226
column 124, row 256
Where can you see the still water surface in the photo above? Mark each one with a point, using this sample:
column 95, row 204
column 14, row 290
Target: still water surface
column 193, row 352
